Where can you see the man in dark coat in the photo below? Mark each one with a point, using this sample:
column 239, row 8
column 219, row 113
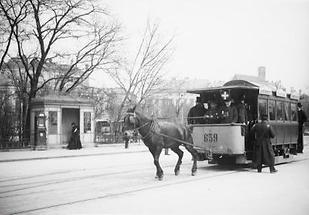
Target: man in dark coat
column 74, row 142
column 242, row 111
column 264, row 154
column 229, row 112
column 197, row 112
column 302, row 118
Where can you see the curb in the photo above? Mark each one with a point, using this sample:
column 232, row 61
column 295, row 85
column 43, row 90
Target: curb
column 71, row 156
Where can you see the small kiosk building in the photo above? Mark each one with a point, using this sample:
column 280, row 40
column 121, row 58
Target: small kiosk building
column 59, row 112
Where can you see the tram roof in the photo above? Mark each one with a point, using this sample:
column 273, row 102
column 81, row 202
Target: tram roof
column 234, row 84
column 263, row 87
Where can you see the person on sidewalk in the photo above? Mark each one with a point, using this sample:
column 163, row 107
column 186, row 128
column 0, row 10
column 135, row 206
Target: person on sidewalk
column 264, row 154
column 74, row 142
column 126, row 139
column 302, row 118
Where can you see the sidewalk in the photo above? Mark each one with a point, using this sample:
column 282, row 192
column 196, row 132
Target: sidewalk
column 103, row 149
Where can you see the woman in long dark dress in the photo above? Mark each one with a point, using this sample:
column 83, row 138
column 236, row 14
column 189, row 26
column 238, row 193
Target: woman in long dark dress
column 74, row 142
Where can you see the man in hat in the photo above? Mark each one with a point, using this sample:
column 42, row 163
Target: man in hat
column 242, row 111
column 264, row 154
column 302, row 118
column 197, row 112
column 229, row 112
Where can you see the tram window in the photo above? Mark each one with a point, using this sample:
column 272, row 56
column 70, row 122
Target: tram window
column 262, row 107
column 279, row 106
column 287, row 111
column 293, row 112
column 271, row 109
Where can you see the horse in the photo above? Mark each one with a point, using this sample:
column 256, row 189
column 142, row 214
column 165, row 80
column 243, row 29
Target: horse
column 157, row 135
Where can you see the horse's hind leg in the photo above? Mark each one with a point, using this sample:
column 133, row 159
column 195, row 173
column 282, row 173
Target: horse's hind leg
column 194, row 154
column 180, row 155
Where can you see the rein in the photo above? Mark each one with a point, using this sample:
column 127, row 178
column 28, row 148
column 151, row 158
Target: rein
column 152, row 131
column 143, row 125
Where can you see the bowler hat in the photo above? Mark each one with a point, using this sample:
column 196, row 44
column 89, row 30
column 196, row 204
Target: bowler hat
column 198, row 99
column 299, row 104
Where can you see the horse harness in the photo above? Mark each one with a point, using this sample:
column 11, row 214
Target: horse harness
column 152, row 131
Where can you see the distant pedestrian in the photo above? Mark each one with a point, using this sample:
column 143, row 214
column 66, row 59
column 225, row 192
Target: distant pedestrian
column 126, row 139
column 74, row 142
column 262, row 132
column 302, row 118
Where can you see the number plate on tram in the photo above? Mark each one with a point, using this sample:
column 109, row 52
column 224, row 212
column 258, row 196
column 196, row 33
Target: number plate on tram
column 210, row 137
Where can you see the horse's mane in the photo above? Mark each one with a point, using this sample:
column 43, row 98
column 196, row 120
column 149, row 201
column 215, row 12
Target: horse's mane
column 134, row 109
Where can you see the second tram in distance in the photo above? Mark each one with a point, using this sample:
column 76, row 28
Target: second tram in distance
column 223, row 142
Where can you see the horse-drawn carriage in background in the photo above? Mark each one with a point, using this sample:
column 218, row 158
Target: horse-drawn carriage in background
column 112, row 132
column 108, row 132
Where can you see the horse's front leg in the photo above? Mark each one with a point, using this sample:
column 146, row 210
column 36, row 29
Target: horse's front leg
column 179, row 162
column 157, row 153
column 153, row 151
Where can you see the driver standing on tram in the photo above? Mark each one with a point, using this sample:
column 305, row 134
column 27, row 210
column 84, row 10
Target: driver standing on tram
column 229, row 112
column 197, row 112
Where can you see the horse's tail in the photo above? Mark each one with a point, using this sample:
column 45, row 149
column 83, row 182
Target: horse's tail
column 188, row 133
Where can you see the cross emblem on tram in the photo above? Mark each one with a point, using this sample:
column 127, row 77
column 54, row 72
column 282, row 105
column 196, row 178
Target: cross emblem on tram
column 225, row 95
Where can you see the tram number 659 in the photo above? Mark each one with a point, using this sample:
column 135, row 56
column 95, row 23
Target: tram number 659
column 211, row 137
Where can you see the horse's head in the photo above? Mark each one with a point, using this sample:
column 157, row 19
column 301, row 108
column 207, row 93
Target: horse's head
column 130, row 120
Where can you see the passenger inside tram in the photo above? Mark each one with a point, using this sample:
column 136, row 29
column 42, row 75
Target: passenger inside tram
column 242, row 111
column 212, row 114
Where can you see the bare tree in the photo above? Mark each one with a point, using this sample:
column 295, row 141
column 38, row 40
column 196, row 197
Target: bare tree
column 39, row 28
column 12, row 13
column 139, row 78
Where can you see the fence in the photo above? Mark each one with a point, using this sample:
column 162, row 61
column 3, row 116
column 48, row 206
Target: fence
column 15, row 143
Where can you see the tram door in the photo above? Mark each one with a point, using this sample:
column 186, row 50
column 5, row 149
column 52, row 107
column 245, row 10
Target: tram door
column 69, row 115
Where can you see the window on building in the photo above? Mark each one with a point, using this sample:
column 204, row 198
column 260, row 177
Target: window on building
column 87, row 122
column 52, row 122
column 271, row 109
column 293, row 112
column 279, row 107
column 287, row 111
column 262, row 107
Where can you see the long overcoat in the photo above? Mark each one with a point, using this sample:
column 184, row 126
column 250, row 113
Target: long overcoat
column 74, row 142
column 264, row 153
column 229, row 114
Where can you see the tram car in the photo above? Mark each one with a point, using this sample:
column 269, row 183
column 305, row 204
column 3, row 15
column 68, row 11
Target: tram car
column 222, row 142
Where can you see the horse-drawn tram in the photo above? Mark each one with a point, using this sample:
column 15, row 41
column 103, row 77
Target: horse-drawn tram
column 221, row 137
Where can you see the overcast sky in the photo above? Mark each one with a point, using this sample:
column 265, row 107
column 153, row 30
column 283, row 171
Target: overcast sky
column 214, row 39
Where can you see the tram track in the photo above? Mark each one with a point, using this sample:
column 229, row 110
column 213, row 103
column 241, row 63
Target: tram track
column 206, row 173
column 36, row 184
column 49, row 182
column 131, row 190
